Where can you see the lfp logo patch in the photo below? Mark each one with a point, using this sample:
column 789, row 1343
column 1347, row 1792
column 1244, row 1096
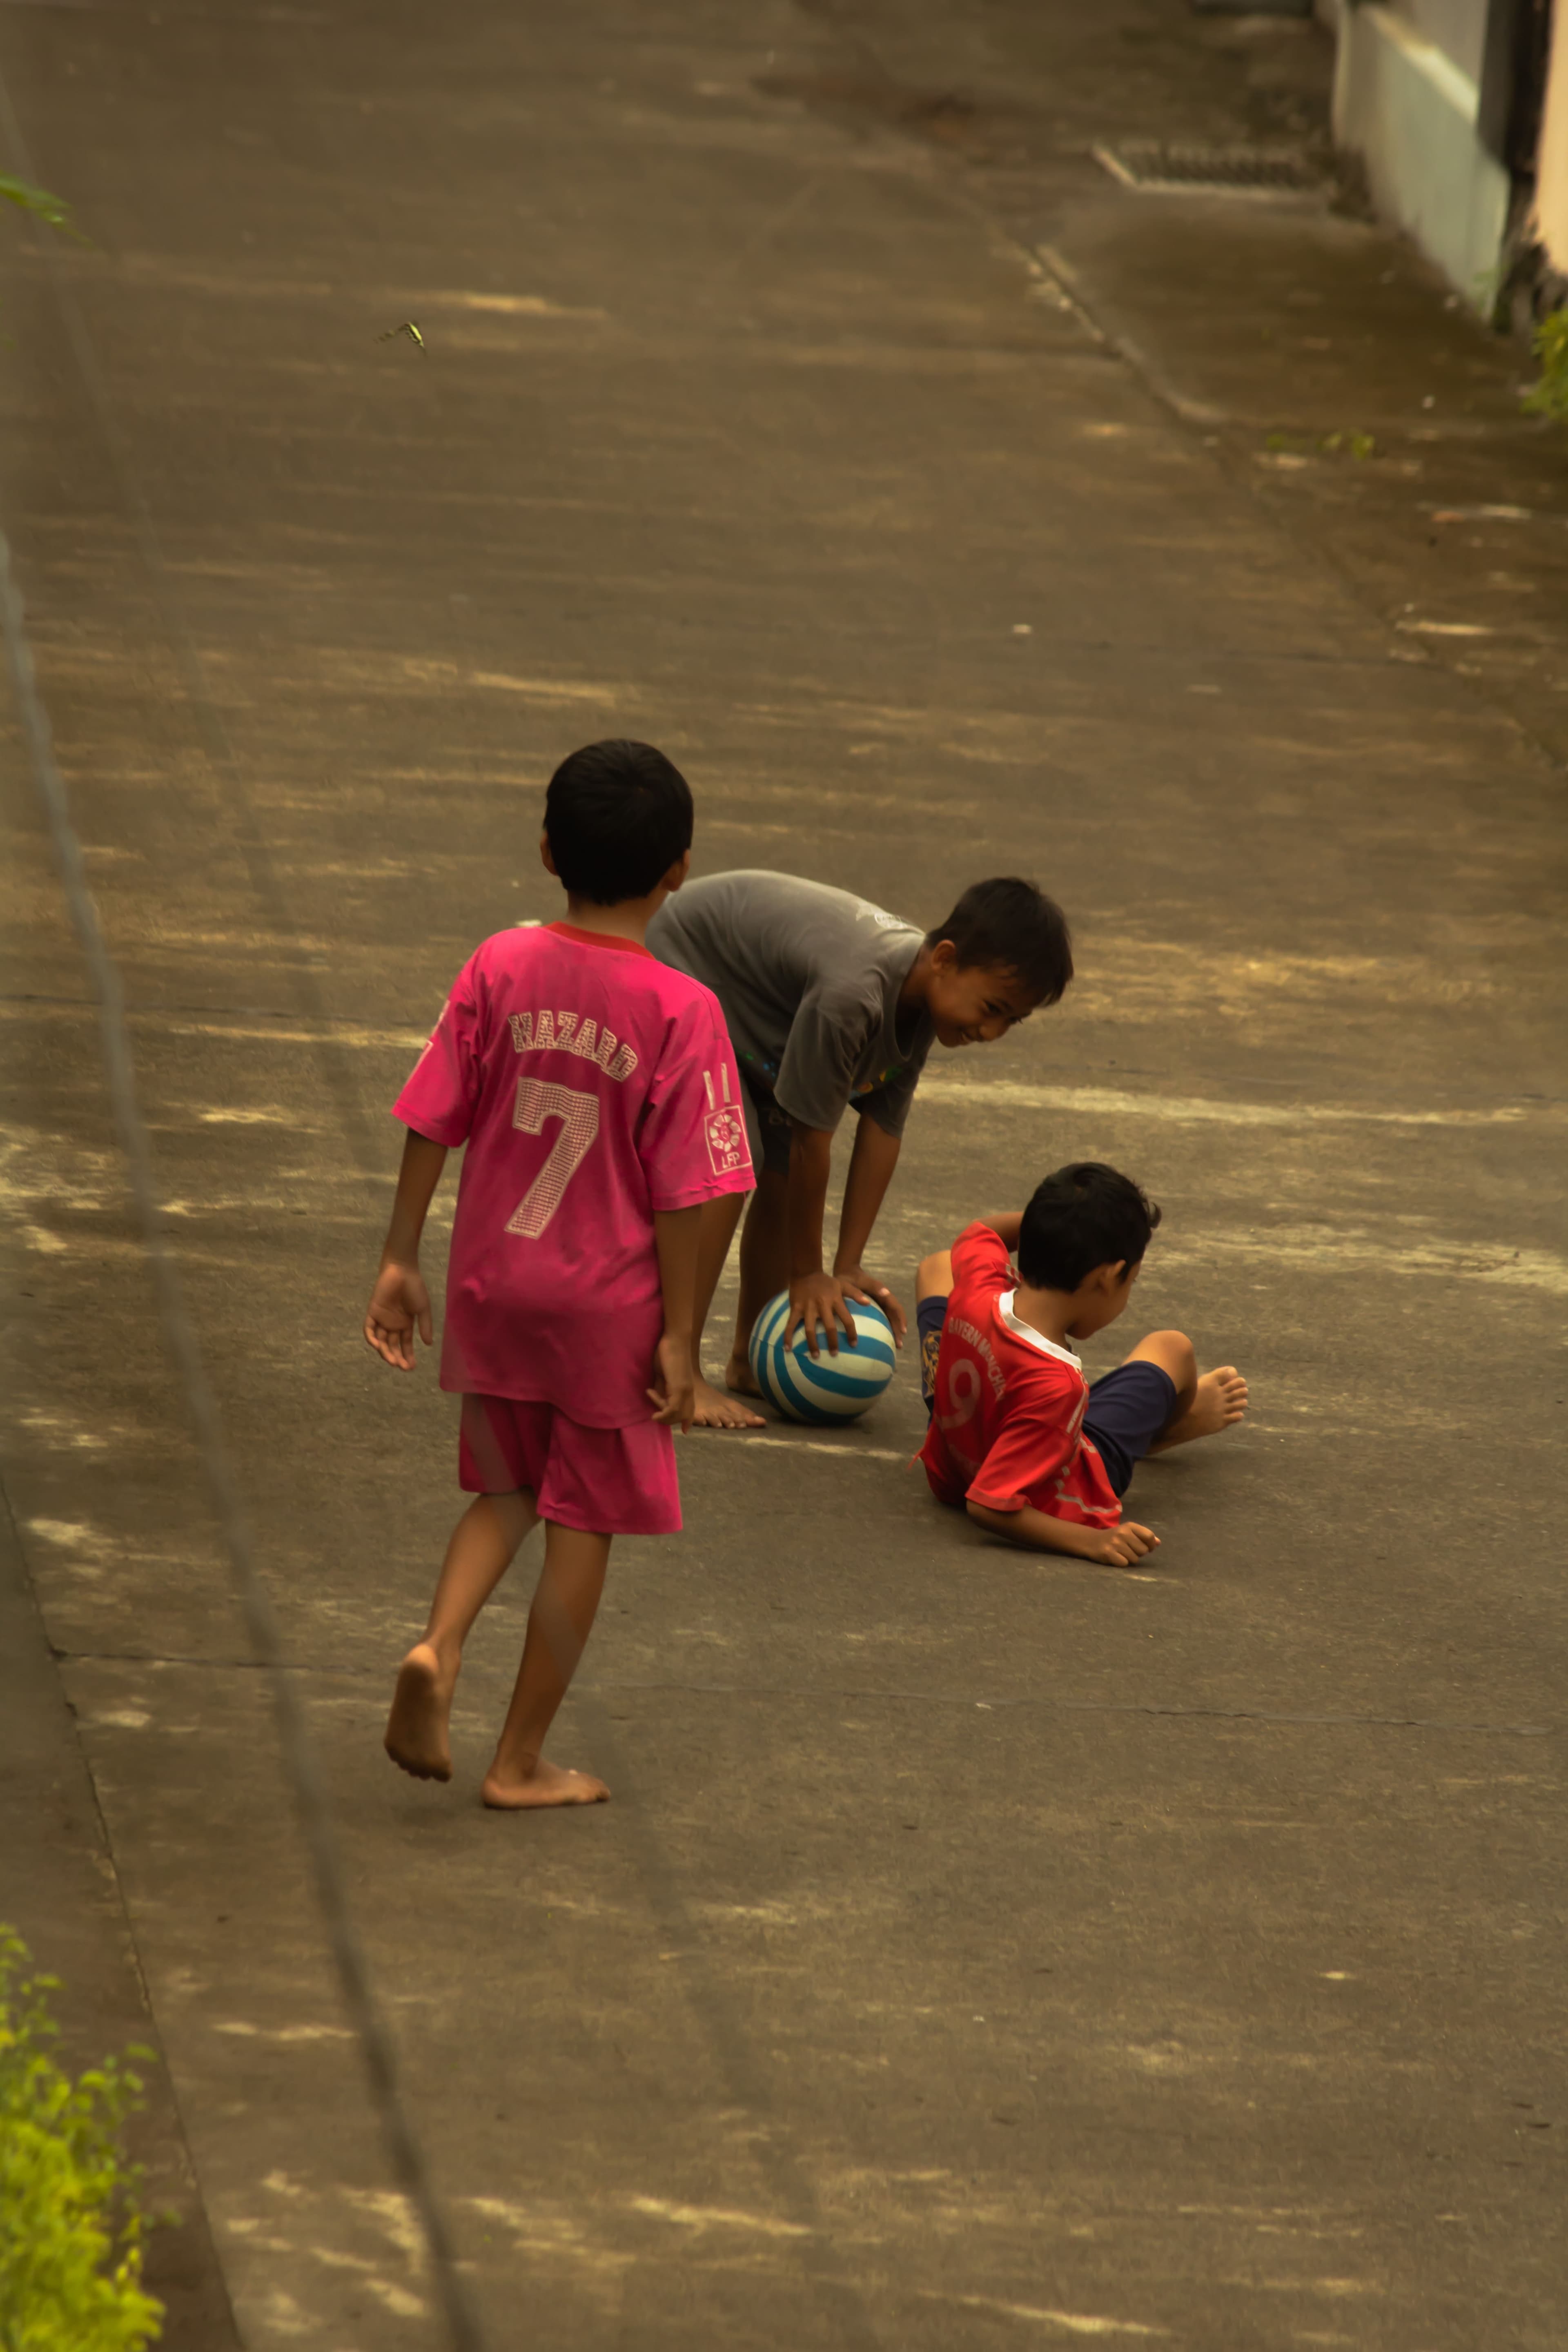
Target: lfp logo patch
column 724, row 1129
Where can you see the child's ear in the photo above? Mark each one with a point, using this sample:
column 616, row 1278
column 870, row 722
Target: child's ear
column 677, row 872
column 945, row 957
column 545, row 859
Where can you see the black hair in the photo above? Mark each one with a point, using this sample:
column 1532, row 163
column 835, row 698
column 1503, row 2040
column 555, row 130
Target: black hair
column 1014, row 927
column 618, row 815
column 1083, row 1216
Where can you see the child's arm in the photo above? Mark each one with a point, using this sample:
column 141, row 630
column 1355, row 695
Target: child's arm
column 815, row 1296
column 871, row 1166
column 1004, row 1225
column 400, row 1301
column 1038, row 1531
column 674, row 1392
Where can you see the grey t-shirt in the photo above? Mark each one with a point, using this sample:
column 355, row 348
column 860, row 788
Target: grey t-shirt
column 809, row 980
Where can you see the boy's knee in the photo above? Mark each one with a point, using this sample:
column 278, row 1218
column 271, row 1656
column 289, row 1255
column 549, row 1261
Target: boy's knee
column 934, row 1275
column 1174, row 1351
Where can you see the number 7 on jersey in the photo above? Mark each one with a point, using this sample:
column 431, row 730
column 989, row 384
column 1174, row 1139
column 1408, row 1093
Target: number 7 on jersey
column 578, row 1111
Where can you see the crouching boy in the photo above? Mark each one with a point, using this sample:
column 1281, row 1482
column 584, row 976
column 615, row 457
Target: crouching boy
column 833, row 1005
column 1018, row 1438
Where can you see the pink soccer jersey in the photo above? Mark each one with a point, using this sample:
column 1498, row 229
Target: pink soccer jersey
column 592, row 1086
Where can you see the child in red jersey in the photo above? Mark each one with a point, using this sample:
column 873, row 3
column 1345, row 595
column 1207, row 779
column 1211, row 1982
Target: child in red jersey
column 599, row 1100
column 1018, row 1438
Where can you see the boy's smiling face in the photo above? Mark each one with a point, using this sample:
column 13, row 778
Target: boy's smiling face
column 972, row 1004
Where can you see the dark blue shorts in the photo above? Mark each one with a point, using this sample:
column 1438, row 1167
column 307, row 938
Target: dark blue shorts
column 1127, row 1408
column 767, row 1127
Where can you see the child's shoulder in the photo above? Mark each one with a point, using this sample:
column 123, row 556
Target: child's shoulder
column 534, row 948
column 983, row 1282
column 980, row 1254
column 757, row 901
column 558, row 959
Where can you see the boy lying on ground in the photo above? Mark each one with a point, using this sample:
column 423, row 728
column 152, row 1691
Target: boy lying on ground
column 1018, row 1438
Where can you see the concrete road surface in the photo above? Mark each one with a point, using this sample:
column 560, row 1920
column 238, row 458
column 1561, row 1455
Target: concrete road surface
column 979, row 1949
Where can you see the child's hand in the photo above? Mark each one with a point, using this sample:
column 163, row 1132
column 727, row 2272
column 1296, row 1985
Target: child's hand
column 398, row 1304
column 1122, row 1547
column 818, row 1298
column 674, row 1392
column 855, row 1284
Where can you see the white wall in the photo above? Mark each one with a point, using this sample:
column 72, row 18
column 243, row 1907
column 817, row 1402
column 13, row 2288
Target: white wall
column 1457, row 28
column 1408, row 109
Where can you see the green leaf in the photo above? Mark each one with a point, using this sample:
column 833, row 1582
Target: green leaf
column 71, row 2223
column 1548, row 396
column 38, row 201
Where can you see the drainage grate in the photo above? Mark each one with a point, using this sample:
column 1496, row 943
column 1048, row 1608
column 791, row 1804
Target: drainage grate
column 1171, row 170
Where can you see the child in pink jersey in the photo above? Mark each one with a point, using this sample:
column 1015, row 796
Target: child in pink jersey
column 597, row 1094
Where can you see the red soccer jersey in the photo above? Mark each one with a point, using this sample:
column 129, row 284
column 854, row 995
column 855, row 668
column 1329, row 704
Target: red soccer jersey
column 592, row 1086
column 1006, row 1429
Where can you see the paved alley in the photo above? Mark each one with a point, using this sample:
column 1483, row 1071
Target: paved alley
column 979, row 1949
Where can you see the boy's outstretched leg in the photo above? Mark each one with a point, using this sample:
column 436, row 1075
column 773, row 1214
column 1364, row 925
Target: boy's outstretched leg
column 559, row 1624
column 1206, row 1402
column 484, row 1544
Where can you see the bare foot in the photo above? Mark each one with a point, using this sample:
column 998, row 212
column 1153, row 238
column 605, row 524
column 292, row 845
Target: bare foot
column 1220, row 1402
column 717, row 1411
column 547, row 1784
column 421, row 1706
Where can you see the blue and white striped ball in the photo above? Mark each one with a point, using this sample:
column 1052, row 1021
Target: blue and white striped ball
column 822, row 1388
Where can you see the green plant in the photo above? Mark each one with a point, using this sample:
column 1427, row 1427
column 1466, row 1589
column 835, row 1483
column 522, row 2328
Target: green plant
column 1548, row 396
column 71, row 2225
column 52, row 209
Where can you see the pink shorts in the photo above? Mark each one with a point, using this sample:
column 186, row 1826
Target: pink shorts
column 607, row 1482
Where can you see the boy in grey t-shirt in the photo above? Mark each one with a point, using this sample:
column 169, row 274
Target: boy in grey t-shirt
column 833, row 1005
